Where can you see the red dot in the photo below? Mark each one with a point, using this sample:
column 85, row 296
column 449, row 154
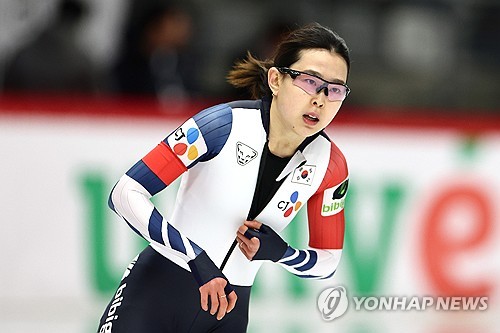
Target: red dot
column 288, row 212
column 180, row 148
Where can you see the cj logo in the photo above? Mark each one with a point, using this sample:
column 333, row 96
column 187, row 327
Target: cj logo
column 190, row 137
column 332, row 303
column 288, row 207
column 187, row 142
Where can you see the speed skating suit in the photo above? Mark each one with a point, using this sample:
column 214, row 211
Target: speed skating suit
column 218, row 153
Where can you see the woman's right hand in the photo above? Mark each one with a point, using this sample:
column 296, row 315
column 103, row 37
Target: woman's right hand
column 213, row 293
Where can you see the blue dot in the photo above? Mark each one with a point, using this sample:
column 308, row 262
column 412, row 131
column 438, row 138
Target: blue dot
column 192, row 135
column 294, row 197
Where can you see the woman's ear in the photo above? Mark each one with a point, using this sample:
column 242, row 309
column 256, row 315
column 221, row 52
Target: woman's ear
column 273, row 80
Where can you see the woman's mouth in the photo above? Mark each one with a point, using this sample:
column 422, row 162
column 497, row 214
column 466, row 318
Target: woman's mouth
column 310, row 119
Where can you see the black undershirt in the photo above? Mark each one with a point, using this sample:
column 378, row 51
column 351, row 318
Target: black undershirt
column 269, row 169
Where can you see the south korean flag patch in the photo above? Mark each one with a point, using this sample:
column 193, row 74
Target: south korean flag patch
column 334, row 199
column 304, row 174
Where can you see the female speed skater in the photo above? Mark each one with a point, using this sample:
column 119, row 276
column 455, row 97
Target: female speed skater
column 247, row 168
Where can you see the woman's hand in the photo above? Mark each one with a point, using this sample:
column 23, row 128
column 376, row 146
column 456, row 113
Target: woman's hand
column 214, row 287
column 220, row 303
column 259, row 241
column 247, row 244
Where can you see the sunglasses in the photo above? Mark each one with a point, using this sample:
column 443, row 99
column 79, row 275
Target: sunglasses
column 313, row 84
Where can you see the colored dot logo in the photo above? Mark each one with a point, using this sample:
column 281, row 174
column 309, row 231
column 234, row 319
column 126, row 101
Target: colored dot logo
column 181, row 148
column 192, row 135
column 295, row 204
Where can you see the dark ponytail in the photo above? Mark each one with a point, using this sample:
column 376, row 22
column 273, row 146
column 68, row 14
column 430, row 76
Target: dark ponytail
column 251, row 73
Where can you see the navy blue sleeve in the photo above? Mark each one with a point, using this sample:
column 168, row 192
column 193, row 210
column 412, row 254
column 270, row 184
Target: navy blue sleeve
column 215, row 124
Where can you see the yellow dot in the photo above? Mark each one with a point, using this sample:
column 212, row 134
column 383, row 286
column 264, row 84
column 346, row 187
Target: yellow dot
column 192, row 153
column 297, row 205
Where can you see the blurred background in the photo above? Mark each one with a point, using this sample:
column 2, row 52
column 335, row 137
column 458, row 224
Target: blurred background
column 88, row 87
column 418, row 53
